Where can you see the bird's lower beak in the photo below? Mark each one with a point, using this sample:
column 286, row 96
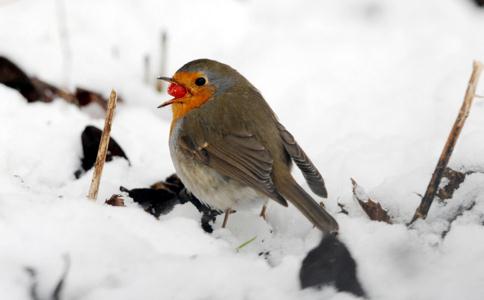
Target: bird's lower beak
column 169, row 102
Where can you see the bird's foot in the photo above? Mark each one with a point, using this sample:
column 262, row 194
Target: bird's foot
column 228, row 211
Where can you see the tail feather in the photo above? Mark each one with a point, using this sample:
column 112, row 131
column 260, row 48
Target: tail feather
column 295, row 194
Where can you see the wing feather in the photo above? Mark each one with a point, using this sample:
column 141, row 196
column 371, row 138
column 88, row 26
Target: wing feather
column 309, row 171
column 238, row 156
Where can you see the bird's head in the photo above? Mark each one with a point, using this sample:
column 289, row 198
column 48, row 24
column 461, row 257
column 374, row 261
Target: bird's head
column 196, row 83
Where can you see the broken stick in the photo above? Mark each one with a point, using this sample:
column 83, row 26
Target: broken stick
column 103, row 147
column 423, row 209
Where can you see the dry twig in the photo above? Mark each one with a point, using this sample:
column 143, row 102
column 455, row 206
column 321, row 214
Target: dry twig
column 163, row 59
column 103, row 147
column 423, row 209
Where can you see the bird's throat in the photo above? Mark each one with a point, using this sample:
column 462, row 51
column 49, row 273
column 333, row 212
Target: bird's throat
column 185, row 105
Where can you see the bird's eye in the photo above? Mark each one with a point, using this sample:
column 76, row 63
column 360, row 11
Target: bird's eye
column 200, row 81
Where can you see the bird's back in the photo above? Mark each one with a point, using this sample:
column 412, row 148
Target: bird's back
column 240, row 109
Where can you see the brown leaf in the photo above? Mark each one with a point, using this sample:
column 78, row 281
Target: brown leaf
column 115, row 200
column 35, row 89
column 91, row 138
column 372, row 208
column 453, row 182
column 85, row 97
column 14, row 77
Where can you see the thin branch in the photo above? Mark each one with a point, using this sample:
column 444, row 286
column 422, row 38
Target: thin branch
column 163, row 59
column 103, row 147
column 64, row 39
column 147, row 76
column 423, row 209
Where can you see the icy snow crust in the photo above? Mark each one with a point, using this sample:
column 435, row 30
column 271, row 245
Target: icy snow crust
column 369, row 89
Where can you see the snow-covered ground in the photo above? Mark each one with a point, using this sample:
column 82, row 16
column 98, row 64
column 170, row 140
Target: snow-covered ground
column 370, row 89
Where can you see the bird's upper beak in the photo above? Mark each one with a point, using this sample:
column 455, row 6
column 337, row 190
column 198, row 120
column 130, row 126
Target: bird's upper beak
column 168, row 79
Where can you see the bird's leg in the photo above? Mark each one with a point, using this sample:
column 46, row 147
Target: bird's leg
column 228, row 211
column 263, row 212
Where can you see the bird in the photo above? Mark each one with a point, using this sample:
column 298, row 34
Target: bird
column 229, row 148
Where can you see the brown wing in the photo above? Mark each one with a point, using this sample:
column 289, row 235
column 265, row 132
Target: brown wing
column 238, row 156
column 312, row 175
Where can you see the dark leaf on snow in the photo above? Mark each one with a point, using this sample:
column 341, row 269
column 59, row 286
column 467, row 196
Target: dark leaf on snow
column 172, row 183
column 85, row 97
column 330, row 263
column 35, row 89
column 91, row 137
column 12, row 76
column 479, row 3
column 155, row 202
column 162, row 196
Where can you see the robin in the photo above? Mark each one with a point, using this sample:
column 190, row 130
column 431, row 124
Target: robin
column 229, row 149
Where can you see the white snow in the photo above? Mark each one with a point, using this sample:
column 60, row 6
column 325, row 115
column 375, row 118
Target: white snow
column 370, row 89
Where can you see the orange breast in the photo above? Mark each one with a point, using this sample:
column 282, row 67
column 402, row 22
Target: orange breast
column 186, row 104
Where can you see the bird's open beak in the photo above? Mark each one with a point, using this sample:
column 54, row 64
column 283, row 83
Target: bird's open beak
column 169, row 102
